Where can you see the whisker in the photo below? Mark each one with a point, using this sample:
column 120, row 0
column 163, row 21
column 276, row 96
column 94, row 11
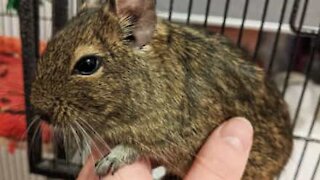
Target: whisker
column 59, row 134
column 92, row 141
column 99, row 138
column 76, row 136
column 67, row 141
column 34, row 134
column 55, row 139
column 86, row 141
column 89, row 139
column 33, row 121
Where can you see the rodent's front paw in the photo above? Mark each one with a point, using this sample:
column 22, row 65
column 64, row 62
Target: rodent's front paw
column 108, row 164
column 119, row 156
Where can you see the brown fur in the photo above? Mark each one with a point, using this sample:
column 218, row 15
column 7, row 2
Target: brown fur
column 164, row 99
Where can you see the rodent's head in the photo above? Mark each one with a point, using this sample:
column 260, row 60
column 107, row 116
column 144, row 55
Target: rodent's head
column 83, row 73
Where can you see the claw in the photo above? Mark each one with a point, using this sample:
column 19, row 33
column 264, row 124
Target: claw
column 118, row 157
column 112, row 169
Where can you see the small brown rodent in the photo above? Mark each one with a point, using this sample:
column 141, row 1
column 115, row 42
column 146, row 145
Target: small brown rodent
column 155, row 89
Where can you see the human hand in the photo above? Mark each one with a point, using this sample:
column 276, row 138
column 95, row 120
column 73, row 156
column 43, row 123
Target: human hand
column 225, row 154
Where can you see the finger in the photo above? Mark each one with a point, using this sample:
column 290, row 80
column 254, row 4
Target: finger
column 88, row 171
column 224, row 155
column 140, row 170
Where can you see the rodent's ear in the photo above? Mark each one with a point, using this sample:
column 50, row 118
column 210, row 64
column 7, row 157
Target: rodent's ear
column 140, row 13
column 88, row 4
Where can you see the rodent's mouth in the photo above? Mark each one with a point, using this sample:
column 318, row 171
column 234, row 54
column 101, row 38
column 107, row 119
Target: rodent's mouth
column 41, row 116
column 46, row 118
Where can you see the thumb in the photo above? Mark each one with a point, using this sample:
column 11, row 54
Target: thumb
column 225, row 154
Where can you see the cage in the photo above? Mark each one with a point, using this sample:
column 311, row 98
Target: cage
column 282, row 35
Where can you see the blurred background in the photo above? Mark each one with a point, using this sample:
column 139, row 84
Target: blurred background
column 282, row 36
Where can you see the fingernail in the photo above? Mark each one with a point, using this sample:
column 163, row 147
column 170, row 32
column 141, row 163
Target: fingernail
column 238, row 133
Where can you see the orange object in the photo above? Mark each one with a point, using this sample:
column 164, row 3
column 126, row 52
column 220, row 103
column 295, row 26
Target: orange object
column 11, row 45
column 12, row 103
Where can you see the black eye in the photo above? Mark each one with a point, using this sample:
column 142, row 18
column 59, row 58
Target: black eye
column 87, row 65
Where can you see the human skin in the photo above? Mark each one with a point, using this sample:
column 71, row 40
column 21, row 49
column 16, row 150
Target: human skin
column 222, row 157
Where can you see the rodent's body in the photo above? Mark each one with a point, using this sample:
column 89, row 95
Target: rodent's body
column 192, row 83
column 165, row 99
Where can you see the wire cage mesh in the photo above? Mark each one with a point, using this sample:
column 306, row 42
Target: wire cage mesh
column 283, row 36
